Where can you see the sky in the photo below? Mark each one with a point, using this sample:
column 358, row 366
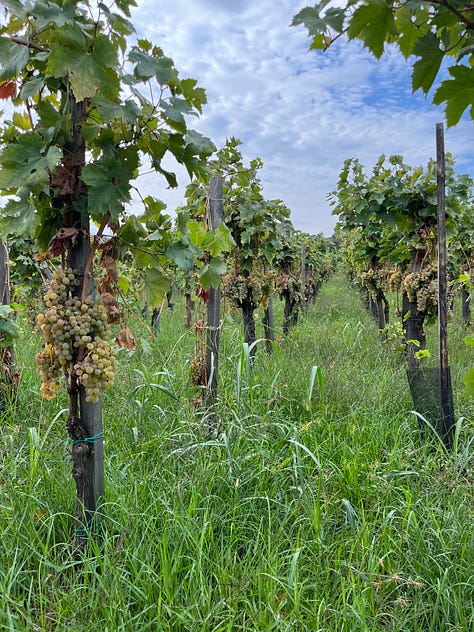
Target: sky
column 303, row 112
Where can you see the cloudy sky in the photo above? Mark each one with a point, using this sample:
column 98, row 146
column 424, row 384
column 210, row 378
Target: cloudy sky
column 302, row 112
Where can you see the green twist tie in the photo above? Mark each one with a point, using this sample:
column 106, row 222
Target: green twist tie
column 88, row 439
column 82, row 531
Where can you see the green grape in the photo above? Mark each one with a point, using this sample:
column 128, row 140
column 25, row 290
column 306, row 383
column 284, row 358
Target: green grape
column 71, row 327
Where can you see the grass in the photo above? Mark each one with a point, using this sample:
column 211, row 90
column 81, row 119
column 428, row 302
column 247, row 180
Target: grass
column 313, row 506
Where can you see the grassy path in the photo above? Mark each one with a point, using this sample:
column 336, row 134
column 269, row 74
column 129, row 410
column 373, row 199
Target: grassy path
column 313, row 507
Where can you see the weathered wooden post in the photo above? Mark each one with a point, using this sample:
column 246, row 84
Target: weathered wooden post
column 303, row 273
column 466, row 305
column 88, row 450
column 8, row 378
column 446, row 395
column 269, row 325
column 216, row 217
column 5, row 291
column 85, row 419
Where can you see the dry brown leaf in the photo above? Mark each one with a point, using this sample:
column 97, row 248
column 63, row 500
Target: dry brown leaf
column 64, row 239
column 8, row 90
column 63, row 180
column 110, row 265
column 109, row 248
column 104, row 286
column 112, row 307
column 125, row 339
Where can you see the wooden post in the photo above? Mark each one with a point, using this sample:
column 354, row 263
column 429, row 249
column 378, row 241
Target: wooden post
column 269, row 325
column 216, row 217
column 7, row 378
column 446, row 396
column 5, row 295
column 85, row 419
column 92, row 484
column 303, row 273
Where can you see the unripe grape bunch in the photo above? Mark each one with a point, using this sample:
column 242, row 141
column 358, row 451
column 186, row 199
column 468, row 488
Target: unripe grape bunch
column 75, row 334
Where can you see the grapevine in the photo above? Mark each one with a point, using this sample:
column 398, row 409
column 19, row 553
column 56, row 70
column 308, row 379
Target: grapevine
column 76, row 346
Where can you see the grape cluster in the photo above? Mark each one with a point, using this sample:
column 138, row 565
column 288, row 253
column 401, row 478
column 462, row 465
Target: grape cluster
column 257, row 287
column 75, row 333
column 198, row 372
column 374, row 280
column 291, row 287
column 422, row 288
column 395, row 279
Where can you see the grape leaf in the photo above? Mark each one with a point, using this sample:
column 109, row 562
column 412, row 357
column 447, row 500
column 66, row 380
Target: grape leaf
column 373, row 23
column 110, row 110
column 468, row 380
column 18, row 218
column 427, row 67
column 183, row 255
column 310, row 17
column 457, row 93
column 25, row 164
column 154, row 287
column 88, row 72
column 47, row 13
column 15, row 58
column 210, row 274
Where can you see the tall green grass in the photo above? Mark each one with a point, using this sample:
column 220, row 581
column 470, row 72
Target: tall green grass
column 314, row 504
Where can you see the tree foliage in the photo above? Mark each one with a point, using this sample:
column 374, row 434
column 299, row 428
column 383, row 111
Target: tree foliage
column 430, row 32
column 78, row 85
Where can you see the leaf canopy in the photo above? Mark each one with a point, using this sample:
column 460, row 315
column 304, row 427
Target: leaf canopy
column 429, row 32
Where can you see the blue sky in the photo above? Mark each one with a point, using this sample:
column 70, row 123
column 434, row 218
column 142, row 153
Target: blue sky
column 302, row 112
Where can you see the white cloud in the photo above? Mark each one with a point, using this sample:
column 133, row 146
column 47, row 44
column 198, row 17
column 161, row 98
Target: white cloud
column 303, row 113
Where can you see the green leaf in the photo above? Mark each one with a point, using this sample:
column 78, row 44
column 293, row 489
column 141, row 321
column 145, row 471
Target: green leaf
column 457, row 93
column 469, row 340
column 72, row 35
column 124, row 284
column 47, row 13
column 8, row 332
column 165, row 72
column 5, row 311
column 468, row 380
column 184, row 256
column 15, row 7
column 310, row 17
column 153, row 63
column 195, row 96
column 27, row 164
column 88, row 72
column 374, row 24
column 210, row 274
column 48, row 114
column 174, row 111
column 109, row 182
column 104, row 195
column 334, row 17
column 154, row 287
column 426, row 68
column 110, row 110
column 18, row 218
column 222, row 241
column 199, row 144
column 13, row 58
column 132, row 232
column 31, row 88
column 409, row 32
